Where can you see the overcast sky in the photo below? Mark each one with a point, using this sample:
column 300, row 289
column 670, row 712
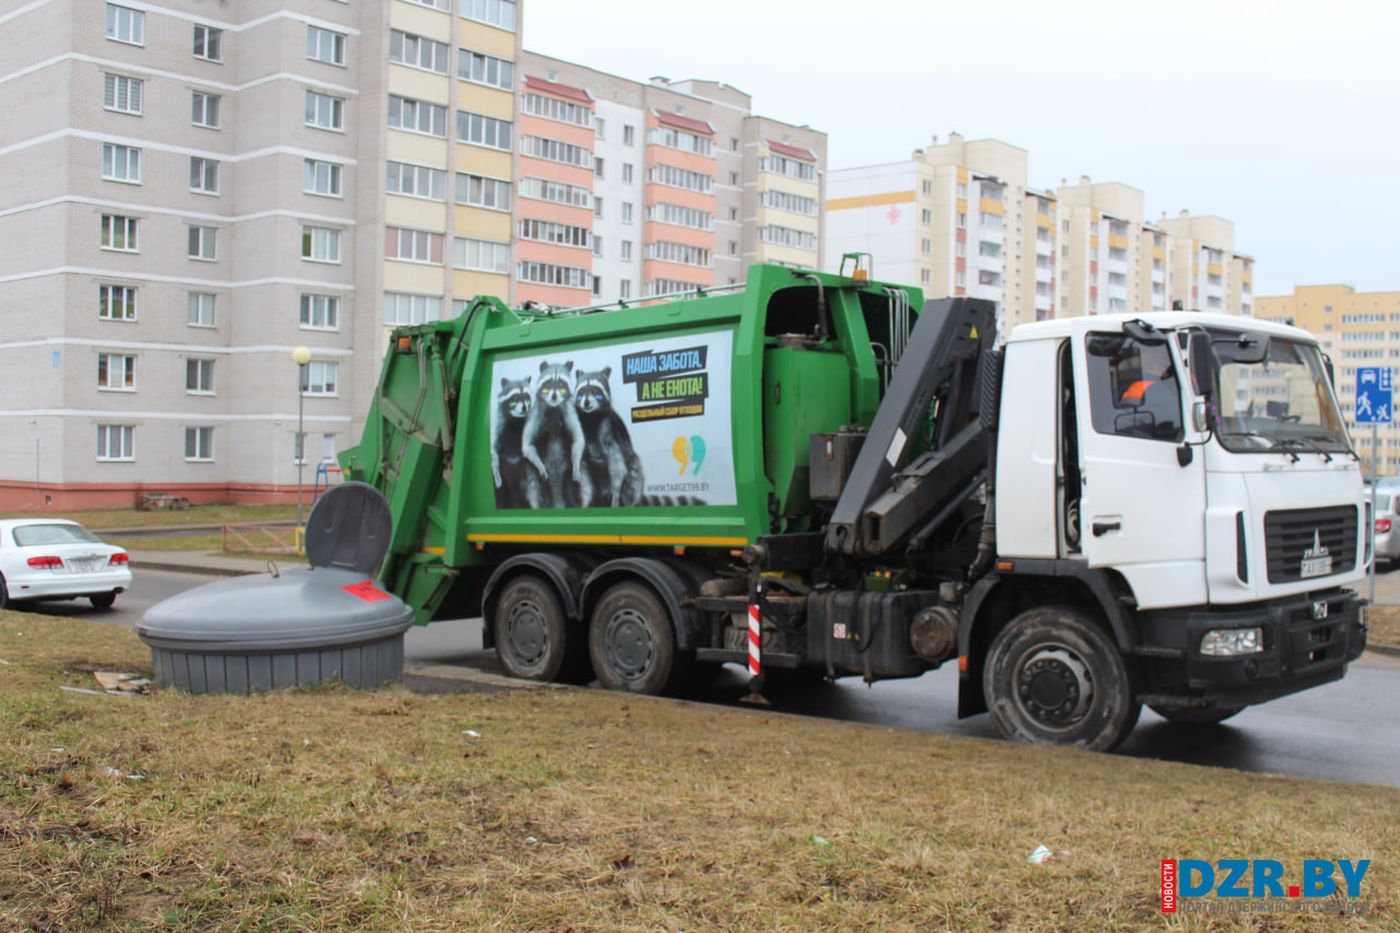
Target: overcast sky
column 1282, row 116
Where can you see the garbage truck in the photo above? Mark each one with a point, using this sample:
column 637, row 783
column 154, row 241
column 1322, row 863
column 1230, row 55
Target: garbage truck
column 822, row 473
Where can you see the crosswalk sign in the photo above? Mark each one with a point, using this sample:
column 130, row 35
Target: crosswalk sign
column 1373, row 395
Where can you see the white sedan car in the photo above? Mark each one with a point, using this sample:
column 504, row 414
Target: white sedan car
column 53, row 558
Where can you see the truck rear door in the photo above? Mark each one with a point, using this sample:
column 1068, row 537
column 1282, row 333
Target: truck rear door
column 1142, row 509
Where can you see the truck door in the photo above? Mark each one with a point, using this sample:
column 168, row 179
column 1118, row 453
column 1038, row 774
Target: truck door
column 1142, row 510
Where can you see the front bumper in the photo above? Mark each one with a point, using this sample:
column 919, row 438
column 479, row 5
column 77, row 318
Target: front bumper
column 49, row 585
column 1308, row 640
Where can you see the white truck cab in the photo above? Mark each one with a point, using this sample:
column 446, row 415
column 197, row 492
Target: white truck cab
column 1193, row 470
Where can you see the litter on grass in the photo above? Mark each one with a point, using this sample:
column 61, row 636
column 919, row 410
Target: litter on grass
column 1041, row 855
column 117, row 682
column 118, row 773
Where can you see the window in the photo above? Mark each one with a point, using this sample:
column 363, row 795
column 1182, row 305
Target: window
column 1133, row 389
column 485, row 69
column 411, row 309
column 417, row 181
column 199, row 309
column 560, row 234
column 116, row 442
column 204, row 110
column 492, row 12
column 629, row 135
column 208, row 43
column 203, row 242
column 988, row 248
column 116, row 372
column 694, row 218
column 320, row 312
column 480, row 191
column 417, row 52
column 545, row 273
column 598, row 127
column 412, row 245
column 119, row 233
column 991, row 221
column 483, row 131
column 597, row 246
column 802, row 239
column 558, row 192
column 324, row 45
column 443, row 5
column 321, row 178
column 552, row 108
column 627, row 212
column 122, row 94
column 199, row 444
column 320, row 244
column 597, row 285
column 796, row 204
column 626, row 250
column 555, row 151
column 597, row 207
column 627, row 173
column 417, row 116
column 199, row 377
column 126, row 25
column 682, row 253
column 793, row 168
column 319, row 378
column 204, row 175
column 673, row 138
column 121, row 163
column 962, row 220
column 598, row 167
column 925, row 276
column 325, row 111
column 481, row 255
column 116, row 303
column 681, row 178
column 960, row 278
column 624, row 288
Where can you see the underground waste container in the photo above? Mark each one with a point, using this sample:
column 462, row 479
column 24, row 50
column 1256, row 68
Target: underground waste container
column 292, row 628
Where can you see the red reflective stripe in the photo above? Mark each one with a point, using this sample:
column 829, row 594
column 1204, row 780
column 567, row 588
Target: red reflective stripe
column 755, row 642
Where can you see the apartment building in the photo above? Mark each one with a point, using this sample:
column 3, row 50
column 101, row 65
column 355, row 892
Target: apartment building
column 647, row 188
column 196, row 189
column 958, row 218
column 1356, row 329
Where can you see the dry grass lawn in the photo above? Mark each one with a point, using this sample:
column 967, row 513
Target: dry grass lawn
column 1385, row 625
column 583, row 810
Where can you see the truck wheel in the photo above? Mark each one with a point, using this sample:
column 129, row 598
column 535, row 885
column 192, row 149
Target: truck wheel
column 1053, row 677
column 632, row 642
column 1196, row 715
column 533, row 637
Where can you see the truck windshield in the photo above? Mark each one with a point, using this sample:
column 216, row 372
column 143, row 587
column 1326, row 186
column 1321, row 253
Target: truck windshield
column 1282, row 402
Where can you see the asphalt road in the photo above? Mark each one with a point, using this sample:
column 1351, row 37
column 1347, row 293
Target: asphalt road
column 1345, row 731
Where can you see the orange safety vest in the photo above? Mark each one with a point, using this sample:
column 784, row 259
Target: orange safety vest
column 1135, row 392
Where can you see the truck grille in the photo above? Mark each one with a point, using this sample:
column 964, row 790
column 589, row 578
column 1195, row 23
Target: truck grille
column 1306, row 543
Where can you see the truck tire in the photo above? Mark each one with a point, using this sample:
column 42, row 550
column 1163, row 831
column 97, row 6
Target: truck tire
column 1196, row 715
column 534, row 638
column 633, row 644
column 1053, row 677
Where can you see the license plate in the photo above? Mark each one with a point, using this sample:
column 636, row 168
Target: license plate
column 85, row 566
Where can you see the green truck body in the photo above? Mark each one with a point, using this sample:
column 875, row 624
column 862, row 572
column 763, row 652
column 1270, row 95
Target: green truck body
column 717, row 395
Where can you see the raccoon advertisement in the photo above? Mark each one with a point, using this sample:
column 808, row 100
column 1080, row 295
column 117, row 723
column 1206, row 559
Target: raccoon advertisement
column 633, row 424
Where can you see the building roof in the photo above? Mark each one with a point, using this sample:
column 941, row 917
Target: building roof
column 559, row 90
column 689, row 124
column 796, row 152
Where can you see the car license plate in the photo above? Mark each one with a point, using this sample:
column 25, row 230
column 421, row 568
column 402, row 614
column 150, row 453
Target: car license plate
column 85, row 566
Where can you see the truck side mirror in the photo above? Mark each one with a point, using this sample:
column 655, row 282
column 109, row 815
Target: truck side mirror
column 1203, row 364
column 1200, row 419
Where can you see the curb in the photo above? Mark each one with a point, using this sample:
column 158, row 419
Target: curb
column 187, row 568
column 455, row 672
column 1392, row 651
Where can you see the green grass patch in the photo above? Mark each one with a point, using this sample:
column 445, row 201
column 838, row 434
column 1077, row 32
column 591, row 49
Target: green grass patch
column 97, row 519
column 584, row 810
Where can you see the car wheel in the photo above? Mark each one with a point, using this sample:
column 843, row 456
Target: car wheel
column 1053, row 677
column 4, row 595
column 1196, row 715
column 534, row 638
column 633, row 643
column 103, row 601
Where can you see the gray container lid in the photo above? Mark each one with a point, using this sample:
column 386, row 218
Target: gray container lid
column 317, row 608
column 333, row 603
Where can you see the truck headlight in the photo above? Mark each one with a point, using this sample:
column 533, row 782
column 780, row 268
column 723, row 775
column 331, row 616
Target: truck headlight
column 1225, row 642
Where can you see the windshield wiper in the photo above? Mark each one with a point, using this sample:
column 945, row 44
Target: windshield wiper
column 1330, row 439
column 1273, row 441
column 1307, row 444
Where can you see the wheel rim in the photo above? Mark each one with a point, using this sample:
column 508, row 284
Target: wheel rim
column 629, row 645
column 526, row 633
column 1054, row 687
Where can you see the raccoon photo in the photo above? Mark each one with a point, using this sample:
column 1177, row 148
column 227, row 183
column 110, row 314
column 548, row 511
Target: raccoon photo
column 611, row 464
column 517, row 482
column 553, row 439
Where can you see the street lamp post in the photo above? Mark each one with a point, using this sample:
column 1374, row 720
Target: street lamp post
column 301, row 356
